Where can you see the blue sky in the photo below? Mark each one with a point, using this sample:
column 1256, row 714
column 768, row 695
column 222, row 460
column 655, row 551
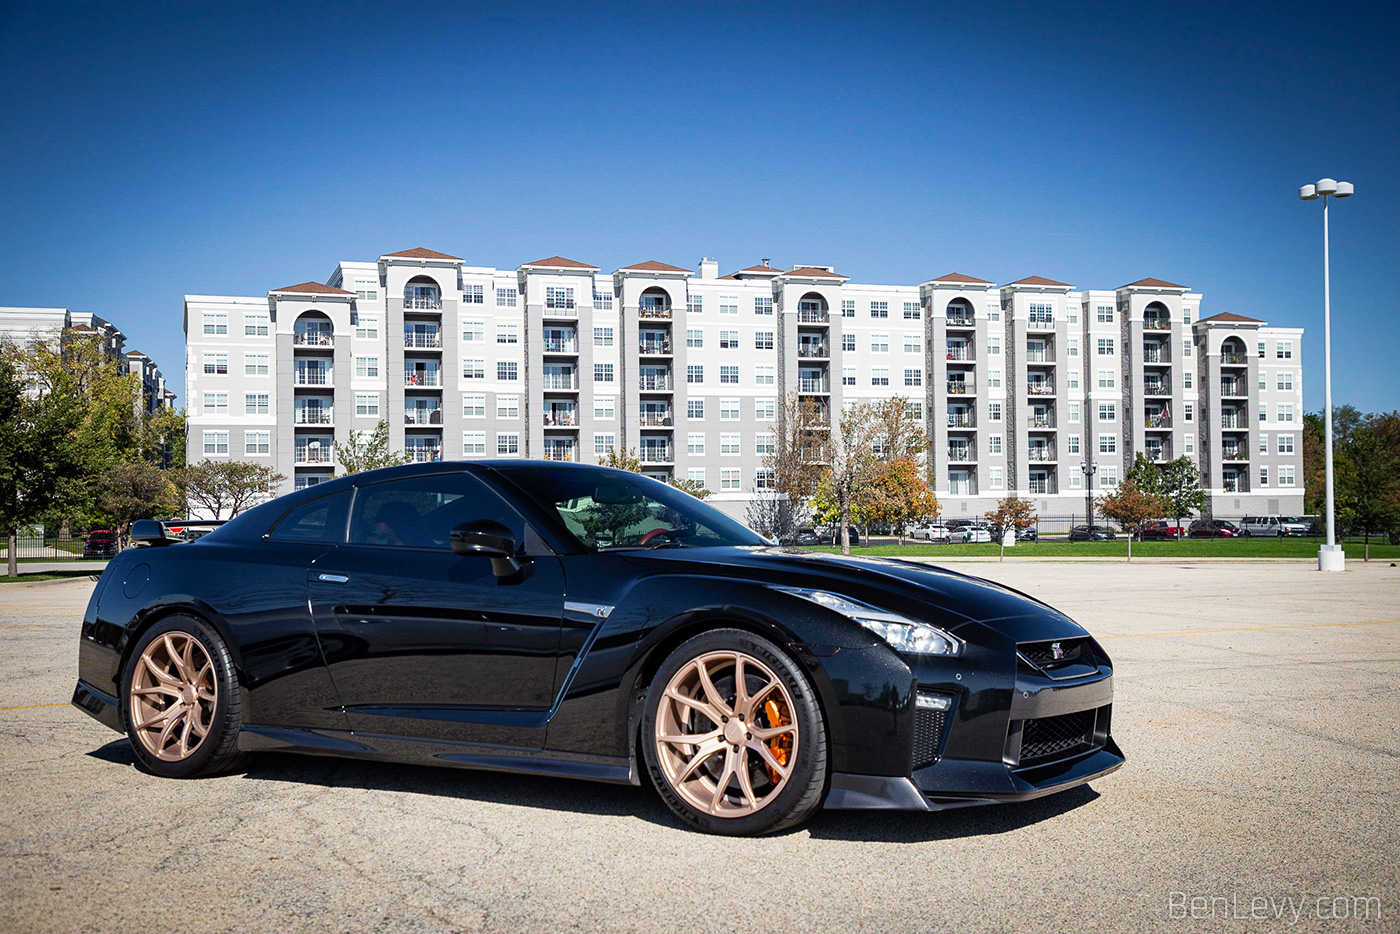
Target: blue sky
column 153, row 150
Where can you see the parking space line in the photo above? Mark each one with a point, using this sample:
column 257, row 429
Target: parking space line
column 1192, row 632
column 33, row 707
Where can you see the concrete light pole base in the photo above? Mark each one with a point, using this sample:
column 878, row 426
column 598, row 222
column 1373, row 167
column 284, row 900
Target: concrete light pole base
column 1331, row 558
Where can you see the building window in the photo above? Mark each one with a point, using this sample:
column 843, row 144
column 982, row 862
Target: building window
column 848, row 308
column 1041, row 313
column 257, row 443
column 1108, row 476
column 215, row 442
column 505, row 298
column 507, row 333
column 1105, row 314
column 994, row 444
column 695, row 409
column 1073, row 379
column 1285, row 476
column 216, row 326
column 1186, row 380
column 994, row 478
column 994, row 411
column 912, row 343
column 602, row 300
column 1186, row 348
column 561, row 297
column 695, row 373
column 764, row 410
column 728, row 480
column 879, row 309
column 473, row 443
column 256, row 325
column 1285, row 413
column 507, row 370
column 508, row 443
column 474, row 406
column 1188, row 411
column 1285, row 444
column 473, row 295
column 366, row 327
column 729, row 304
column 1263, row 413
column 255, row 403
column 1186, row 316
column 994, row 379
column 1072, row 346
column 694, row 304
column 1073, row 411
column 216, row 364
column 880, row 376
column 913, row 377
column 1107, row 379
column 1263, row 443
column 765, row 444
column 729, row 340
column 473, row 331
column 1106, row 347
column 848, row 376
column 507, row 406
column 1108, row 444
column 728, row 374
column 473, row 369
column 763, row 340
column 1283, row 350
column 993, row 346
column 729, row 410
column 1189, row 444
column 765, row 479
column 912, row 311
column 848, row 342
column 1285, row 382
column 694, row 337
column 603, row 443
column 763, row 305
column 216, row 403
column 695, row 442
column 1071, row 315
column 605, row 407
column 1072, row 444
column 367, row 367
column 764, row 375
column 1263, row 476
column 729, row 444
column 602, row 337
column 602, row 372
column 879, row 343
column 1108, row 412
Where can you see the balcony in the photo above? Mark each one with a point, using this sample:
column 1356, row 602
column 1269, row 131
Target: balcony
column 313, row 338
column 314, row 455
column 1235, row 484
column 422, row 415
column 654, row 312
column 312, row 376
column 1155, row 353
column 422, row 340
column 957, row 387
column 1233, row 387
column 810, row 385
column 1156, row 324
column 1234, row 452
column 424, row 453
column 567, row 381
column 1156, row 388
column 961, row 454
column 422, row 303
column 809, row 349
column 1234, row 359
column 560, row 311
column 961, row 352
column 1039, row 454
column 655, row 419
column 1040, row 323
column 561, row 417
column 961, row 321
column 1158, row 452
column 655, row 347
column 560, row 340
column 1157, row 422
column 1040, row 422
column 1040, row 389
column 560, row 452
column 961, row 420
column 657, row 454
column 1045, row 355
column 811, row 316
column 654, row 382
column 423, row 379
column 1043, row 486
column 312, row 417
column 1234, row 423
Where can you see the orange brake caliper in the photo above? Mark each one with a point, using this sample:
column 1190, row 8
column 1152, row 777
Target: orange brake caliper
column 779, row 745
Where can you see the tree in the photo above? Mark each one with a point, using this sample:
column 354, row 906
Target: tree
column 849, row 459
column 1369, row 487
column 622, row 460
column 794, row 464
column 1132, row 508
column 767, row 513
column 897, row 493
column 129, row 492
column 368, row 450
column 1012, row 513
column 1177, row 483
column 217, row 486
column 694, row 487
column 898, row 432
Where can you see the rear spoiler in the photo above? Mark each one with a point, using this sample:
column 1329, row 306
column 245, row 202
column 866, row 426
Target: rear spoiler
column 152, row 533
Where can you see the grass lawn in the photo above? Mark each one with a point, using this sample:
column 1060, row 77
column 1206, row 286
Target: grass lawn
column 44, row 576
column 1187, row 548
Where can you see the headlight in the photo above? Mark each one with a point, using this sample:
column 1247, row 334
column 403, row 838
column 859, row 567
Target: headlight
column 902, row 633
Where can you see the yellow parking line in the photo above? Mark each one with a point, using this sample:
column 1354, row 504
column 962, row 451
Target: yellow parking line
column 1193, row 632
column 24, row 627
column 33, row 707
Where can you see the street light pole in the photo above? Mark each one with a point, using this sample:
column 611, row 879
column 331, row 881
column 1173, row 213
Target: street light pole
column 1330, row 557
column 1089, row 466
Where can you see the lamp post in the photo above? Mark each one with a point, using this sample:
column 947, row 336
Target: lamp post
column 1330, row 557
column 1089, row 467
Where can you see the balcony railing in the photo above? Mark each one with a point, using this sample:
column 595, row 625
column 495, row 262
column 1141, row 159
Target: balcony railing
column 1235, row 453
column 657, row 454
column 422, row 303
column 418, row 416
column 655, row 419
column 560, row 311
column 655, row 347
column 960, row 321
column 1040, row 421
column 1232, row 387
column 957, row 388
column 1157, row 453
column 310, row 455
column 961, row 455
column 813, row 385
column 312, row 377
column 423, row 379
column 313, row 339
column 312, row 417
column 811, row 316
column 424, row 454
column 1235, row 485
column 560, row 345
column 1040, row 356
column 653, row 312
column 560, row 452
column 567, row 381
column 1234, row 359
column 960, row 353
column 422, row 340
column 1151, row 354
column 1041, row 455
column 1156, row 324
column 1156, row 389
column 1040, row 389
column 1158, row 421
column 1040, row 324
column 1045, row 487
column 812, row 350
column 561, row 418
column 961, row 420
column 1233, row 423
column 654, row 382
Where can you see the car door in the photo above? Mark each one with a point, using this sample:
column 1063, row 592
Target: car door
column 425, row 643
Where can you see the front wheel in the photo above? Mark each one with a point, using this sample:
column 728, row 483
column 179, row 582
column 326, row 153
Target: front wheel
column 733, row 737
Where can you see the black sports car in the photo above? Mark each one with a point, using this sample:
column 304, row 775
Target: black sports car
column 580, row 621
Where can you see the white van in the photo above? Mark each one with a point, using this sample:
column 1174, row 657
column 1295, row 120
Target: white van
column 1266, row 526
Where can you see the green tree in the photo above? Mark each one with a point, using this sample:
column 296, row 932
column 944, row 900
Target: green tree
column 1132, row 508
column 622, row 460
column 1368, row 489
column 368, row 450
column 694, row 487
column 897, row 493
column 128, row 492
column 1011, row 513
column 219, row 487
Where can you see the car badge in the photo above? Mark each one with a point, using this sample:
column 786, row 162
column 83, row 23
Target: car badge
column 1056, row 652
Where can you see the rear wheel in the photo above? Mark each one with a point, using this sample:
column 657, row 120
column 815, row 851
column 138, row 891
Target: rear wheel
column 183, row 708
column 733, row 737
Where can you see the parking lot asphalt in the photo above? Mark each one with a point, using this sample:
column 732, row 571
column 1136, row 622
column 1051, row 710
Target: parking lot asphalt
column 1257, row 705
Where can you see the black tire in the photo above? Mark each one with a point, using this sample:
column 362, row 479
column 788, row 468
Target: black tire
column 794, row 801
column 217, row 751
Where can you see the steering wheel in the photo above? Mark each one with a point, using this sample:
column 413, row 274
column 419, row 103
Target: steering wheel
column 654, row 534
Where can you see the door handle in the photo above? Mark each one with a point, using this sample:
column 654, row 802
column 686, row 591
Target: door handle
column 333, row 578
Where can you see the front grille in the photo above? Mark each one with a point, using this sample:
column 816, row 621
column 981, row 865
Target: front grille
column 928, row 733
column 1043, row 653
column 1055, row 737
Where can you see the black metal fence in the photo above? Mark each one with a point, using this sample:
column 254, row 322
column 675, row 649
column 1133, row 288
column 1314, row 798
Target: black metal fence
column 47, row 548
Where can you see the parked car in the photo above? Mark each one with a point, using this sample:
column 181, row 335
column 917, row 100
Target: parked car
column 1297, row 526
column 1096, row 533
column 1213, row 528
column 101, row 543
column 971, row 532
column 420, row 614
column 834, row 535
column 1022, row 535
column 1264, row 526
column 802, row 537
column 1162, row 530
column 930, row 532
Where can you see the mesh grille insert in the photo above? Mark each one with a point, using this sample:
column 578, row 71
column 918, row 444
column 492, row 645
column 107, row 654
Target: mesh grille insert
column 1056, row 736
column 928, row 732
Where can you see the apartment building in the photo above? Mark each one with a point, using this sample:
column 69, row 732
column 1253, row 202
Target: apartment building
column 1033, row 387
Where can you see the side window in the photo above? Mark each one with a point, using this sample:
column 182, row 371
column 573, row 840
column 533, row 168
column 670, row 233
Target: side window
column 321, row 520
column 421, row 512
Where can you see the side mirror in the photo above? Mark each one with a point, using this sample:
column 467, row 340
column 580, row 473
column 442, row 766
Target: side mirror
column 150, row 533
column 489, row 539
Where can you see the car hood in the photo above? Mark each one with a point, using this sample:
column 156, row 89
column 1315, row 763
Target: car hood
column 945, row 598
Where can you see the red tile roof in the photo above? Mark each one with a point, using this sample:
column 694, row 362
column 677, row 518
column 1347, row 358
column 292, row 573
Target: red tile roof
column 959, row 277
column 420, row 252
column 1152, row 284
column 652, row 265
column 814, row 272
column 314, row 288
column 1227, row 317
column 1040, row 280
column 561, row 262
column 135, row 353
column 82, row 327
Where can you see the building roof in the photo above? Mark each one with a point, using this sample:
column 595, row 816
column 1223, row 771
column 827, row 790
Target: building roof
column 1152, row 284
column 1040, row 280
column 1229, row 317
column 135, row 353
column 652, row 265
column 420, row 252
column 313, row 288
column 959, row 277
column 561, row 263
column 815, row 272
column 758, row 269
column 83, row 327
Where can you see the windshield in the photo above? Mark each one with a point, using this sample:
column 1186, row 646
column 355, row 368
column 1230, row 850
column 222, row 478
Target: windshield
column 607, row 510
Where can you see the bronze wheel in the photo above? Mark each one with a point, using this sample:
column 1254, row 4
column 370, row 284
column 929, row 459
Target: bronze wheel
column 173, row 694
